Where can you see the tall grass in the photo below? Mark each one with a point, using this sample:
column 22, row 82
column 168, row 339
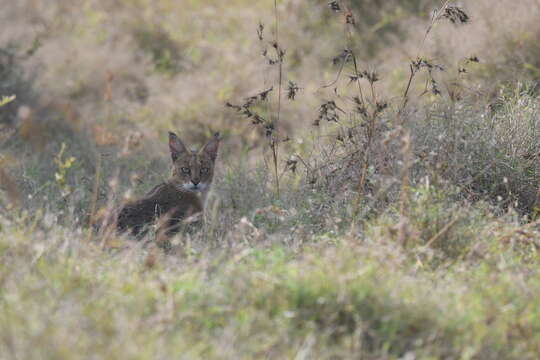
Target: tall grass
column 404, row 160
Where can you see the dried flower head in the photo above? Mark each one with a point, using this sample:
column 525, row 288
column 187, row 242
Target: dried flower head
column 263, row 95
column 245, row 108
column 328, row 111
column 291, row 164
column 260, row 30
column 353, row 78
column 421, row 63
column 360, row 106
column 292, row 89
column 372, row 76
column 279, row 56
column 233, row 106
column 434, row 87
column 456, row 15
column 462, row 69
column 334, row 5
column 343, row 57
column 269, row 129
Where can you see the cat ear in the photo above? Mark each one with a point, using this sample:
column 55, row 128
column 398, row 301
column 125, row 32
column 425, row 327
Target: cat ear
column 211, row 149
column 175, row 146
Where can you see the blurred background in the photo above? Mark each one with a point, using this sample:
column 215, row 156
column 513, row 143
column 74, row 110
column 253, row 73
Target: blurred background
column 110, row 77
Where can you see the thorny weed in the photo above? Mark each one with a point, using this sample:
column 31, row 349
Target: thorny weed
column 271, row 126
column 368, row 106
column 358, row 117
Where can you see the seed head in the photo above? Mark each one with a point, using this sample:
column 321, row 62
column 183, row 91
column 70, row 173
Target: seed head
column 260, row 30
column 456, row 15
column 334, row 5
column 292, row 89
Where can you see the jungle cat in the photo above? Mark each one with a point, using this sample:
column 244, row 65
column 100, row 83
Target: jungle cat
column 181, row 196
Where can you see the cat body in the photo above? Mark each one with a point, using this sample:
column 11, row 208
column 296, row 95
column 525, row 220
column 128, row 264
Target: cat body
column 181, row 196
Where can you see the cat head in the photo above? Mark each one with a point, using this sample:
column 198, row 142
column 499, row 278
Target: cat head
column 193, row 170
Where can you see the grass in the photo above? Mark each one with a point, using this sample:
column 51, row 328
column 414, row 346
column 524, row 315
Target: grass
column 406, row 224
column 356, row 298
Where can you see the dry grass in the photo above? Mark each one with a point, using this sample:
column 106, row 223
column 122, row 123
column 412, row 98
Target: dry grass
column 377, row 193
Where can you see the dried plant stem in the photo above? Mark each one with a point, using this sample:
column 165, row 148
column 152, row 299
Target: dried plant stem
column 413, row 71
column 94, row 199
column 333, row 82
column 406, row 93
column 366, row 159
column 361, row 184
column 365, row 165
column 355, row 63
column 275, row 136
column 407, row 165
column 434, row 19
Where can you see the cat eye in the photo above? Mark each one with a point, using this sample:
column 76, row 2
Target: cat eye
column 185, row 170
column 204, row 170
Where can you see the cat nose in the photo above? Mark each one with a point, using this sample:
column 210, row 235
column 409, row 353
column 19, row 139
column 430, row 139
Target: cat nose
column 196, row 182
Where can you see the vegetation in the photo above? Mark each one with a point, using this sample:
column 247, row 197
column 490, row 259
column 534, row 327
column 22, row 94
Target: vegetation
column 377, row 197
